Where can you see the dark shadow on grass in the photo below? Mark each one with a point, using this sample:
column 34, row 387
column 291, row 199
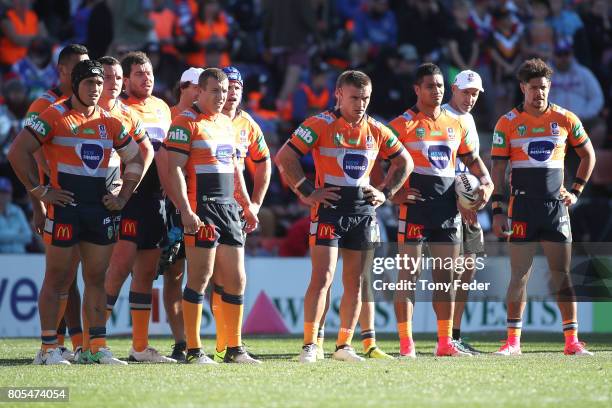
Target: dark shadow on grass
column 15, row 361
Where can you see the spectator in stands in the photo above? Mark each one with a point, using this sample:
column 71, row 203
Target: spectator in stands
column 421, row 22
column 598, row 26
column 247, row 30
column 37, row 70
column 15, row 232
column 288, row 27
column 575, row 88
column 164, row 20
column 462, row 44
column 539, row 39
column 393, row 75
column 99, row 29
column 375, row 27
column 19, row 26
column 569, row 26
column 313, row 96
column 505, row 50
column 167, row 68
column 211, row 36
column 132, row 27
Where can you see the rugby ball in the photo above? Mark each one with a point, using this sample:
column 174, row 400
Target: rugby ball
column 465, row 188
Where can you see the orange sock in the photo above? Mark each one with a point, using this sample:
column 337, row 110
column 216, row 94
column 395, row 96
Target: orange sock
column 514, row 330
column 85, row 330
column 570, row 331
column 368, row 339
column 345, row 337
column 404, row 330
column 192, row 316
column 48, row 339
column 233, row 306
column 217, row 311
column 140, row 310
column 445, row 330
column 97, row 339
column 60, row 340
column 310, row 332
column 76, row 339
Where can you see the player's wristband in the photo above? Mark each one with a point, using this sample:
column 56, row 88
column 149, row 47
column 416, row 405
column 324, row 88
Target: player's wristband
column 45, row 190
column 498, row 211
column 304, row 187
column 575, row 192
column 579, row 181
column 497, row 197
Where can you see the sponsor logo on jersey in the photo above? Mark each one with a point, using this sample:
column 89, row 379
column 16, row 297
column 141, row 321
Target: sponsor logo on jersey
column 554, row 129
column 538, row 130
column 499, row 139
column 91, row 155
column 244, row 138
column 355, row 165
column 439, row 156
column 510, row 115
column 102, row 131
column 338, row 138
column 306, row 134
column 540, row 150
column 224, row 153
column 521, row 129
column 41, row 127
column 420, row 132
column 179, row 134
column 370, row 141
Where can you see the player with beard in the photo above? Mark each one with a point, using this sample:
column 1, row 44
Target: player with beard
column 143, row 230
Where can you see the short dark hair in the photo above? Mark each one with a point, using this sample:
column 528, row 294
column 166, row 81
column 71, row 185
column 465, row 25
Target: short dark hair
column 424, row 70
column 357, row 79
column 108, row 60
column 133, row 58
column 215, row 73
column 69, row 51
column 534, row 68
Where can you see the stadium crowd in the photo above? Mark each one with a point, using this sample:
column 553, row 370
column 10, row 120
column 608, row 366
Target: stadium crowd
column 291, row 51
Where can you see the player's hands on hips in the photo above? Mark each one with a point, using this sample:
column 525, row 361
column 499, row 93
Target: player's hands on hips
column 374, row 196
column 114, row 202
column 469, row 216
column 568, row 198
column 483, row 192
column 50, row 195
column 323, row 195
column 250, row 216
column 412, row 196
column 191, row 222
column 501, row 229
column 38, row 218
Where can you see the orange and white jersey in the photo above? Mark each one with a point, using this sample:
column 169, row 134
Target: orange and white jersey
column 78, row 148
column 344, row 155
column 154, row 115
column 536, row 148
column 434, row 145
column 250, row 141
column 209, row 141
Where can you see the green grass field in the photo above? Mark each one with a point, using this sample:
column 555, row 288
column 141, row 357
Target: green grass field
column 542, row 377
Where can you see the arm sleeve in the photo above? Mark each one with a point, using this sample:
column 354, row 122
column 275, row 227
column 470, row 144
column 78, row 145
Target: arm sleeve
column 179, row 136
column 258, row 149
column 577, row 136
column 390, row 145
column 501, row 143
column 42, row 127
column 306, row 136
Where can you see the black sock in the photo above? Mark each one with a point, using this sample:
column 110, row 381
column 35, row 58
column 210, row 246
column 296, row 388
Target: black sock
column 456, row 334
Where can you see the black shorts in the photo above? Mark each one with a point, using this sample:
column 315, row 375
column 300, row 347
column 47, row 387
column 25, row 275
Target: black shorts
column 222, row 225
column 67, row 226
column 143, row 221
column 535, row 220
column 472, row 239
column 356, row 232
column 429, row 222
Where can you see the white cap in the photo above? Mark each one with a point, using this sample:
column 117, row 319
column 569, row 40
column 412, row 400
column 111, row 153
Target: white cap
column 468, row 79
column 191, row 75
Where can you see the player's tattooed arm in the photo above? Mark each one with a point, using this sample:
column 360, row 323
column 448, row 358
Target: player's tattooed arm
column 586, row 153
column 401, row 167
column 500, row 217
column 241, row 195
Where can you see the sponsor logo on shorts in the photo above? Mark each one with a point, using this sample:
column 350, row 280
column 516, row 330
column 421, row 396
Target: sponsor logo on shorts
column 129, row 227
column 326, row 231
column 63, row 232
column 540, row 150
column 206, row 233
column 414, row 231
column 519, row 229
